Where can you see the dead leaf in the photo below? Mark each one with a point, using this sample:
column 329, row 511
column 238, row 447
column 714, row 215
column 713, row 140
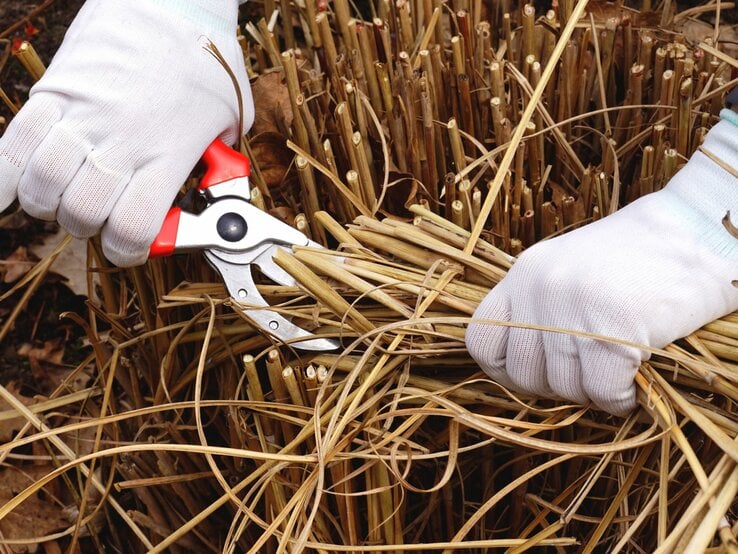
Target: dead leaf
column 16, row 265
column 70, row 264
column 52, row 352
column 10, row 426
column 695, row 31
column 283, row 213
column 273, row 111
column 274, row 159
column 51, row 377
column 604, row 10
column 37, row 516
column 13, row 221
column 48, row 368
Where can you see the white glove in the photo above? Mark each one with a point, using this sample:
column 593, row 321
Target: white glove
column 125, row 110
column 652, row 272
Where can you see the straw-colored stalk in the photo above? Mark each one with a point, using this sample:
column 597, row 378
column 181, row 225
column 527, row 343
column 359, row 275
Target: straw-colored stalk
column 388, row 438
column 29, row 58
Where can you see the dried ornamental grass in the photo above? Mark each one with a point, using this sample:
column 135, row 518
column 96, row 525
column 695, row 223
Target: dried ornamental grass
column 424, row 146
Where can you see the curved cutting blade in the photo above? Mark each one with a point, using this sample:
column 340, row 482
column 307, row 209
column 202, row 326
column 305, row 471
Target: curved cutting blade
column 248, row 300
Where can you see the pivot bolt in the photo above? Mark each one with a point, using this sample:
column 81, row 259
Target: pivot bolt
column 231, row 227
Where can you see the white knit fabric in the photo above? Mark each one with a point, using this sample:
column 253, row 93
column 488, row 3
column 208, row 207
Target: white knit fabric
column 126, row 108
column 652, row 272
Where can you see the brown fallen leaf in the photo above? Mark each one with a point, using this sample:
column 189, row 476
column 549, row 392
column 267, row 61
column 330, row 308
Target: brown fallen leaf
column 274, row 159
column 283, row 213
column 10, row 425
column 16, row 265
column 36, row 517
column 48, row 367
column 695, row 31
column 15, row 220
column 602, row 10
column 273, row 111
column 70, row 264
column 52, row 352
column 49, row 370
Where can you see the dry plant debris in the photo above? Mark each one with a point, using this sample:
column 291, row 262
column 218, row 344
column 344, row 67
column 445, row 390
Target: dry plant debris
column 426, row 145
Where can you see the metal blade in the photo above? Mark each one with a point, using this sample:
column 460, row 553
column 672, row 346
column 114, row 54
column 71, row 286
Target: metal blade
column 240, row 284
column 287, row 331
column 265, row 262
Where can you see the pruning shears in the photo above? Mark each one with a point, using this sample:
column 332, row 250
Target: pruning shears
column 235, row 235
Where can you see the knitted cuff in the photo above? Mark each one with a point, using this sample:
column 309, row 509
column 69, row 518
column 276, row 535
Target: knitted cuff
column 729, row 115
column 730, row 101
column 706, row 189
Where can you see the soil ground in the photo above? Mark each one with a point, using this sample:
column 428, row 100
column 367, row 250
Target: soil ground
column 38, row 326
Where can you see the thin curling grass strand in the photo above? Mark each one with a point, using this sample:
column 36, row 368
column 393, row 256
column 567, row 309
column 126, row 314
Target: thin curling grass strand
column 402, row 443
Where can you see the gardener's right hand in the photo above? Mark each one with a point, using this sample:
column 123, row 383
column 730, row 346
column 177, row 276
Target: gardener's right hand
column 125, row 110
column 652, row 272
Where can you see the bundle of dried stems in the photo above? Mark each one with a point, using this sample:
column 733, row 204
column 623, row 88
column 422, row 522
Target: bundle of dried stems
column 444, row 138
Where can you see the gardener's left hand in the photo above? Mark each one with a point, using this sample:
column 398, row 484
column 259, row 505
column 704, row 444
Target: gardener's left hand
column 126, row 108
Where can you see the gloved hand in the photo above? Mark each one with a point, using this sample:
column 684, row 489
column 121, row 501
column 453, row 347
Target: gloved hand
column 652, row 272
column 125, row 110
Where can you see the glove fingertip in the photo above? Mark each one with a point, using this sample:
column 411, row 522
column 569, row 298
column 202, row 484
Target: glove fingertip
column 126, row 242
column 125, row 257
column 563, row 366
column 618, row 403
column 137, row 216
column 622, row 407
column 25, row 132
column 607, row 377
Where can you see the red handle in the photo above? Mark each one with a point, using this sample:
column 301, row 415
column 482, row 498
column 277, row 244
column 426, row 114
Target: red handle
column 166, row 240
column 224, row 163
